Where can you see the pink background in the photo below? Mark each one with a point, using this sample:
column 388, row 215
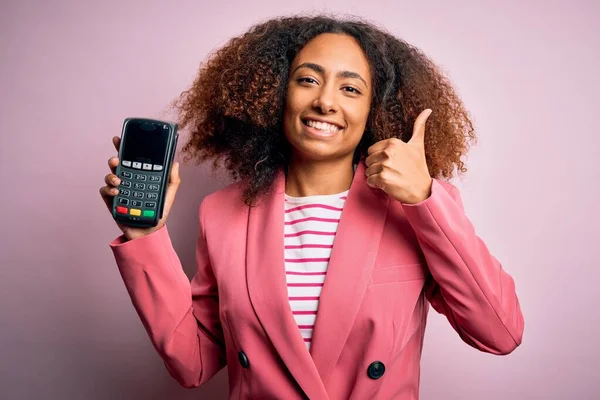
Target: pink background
column 72, row 70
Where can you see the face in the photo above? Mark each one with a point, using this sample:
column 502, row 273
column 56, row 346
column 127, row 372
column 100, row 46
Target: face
column 328, row 98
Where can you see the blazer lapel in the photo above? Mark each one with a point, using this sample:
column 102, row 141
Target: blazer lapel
column 268, row 289
column 352, row 257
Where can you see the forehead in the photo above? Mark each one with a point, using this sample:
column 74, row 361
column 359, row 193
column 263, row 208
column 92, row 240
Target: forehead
column 334, row 52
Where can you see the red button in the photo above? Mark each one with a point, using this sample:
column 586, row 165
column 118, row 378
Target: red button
column 122, row 210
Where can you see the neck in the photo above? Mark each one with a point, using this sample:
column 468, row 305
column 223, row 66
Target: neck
column 314, row 178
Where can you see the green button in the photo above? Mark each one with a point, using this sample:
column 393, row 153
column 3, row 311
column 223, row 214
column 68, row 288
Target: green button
column 148, row 213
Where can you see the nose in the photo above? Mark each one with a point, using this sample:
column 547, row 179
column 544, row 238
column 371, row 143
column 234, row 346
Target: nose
column 326, row 100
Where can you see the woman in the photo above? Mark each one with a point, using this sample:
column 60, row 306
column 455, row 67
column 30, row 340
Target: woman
column 333, row 130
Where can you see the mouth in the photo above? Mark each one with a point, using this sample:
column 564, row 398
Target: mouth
column 320, row 129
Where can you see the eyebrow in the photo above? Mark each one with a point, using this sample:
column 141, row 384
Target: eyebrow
column 321, row 70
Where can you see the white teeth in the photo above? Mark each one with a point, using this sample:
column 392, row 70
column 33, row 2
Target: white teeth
column 322, row 126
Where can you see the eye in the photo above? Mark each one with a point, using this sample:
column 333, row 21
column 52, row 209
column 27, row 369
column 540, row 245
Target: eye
column 354, row 90
column 305, row 79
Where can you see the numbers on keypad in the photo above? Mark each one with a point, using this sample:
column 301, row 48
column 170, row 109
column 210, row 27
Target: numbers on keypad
column 145, row 194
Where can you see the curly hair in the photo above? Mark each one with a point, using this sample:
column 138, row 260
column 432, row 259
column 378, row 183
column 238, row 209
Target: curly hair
column 234, row 108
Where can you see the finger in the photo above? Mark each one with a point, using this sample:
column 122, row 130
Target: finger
column 112, row 164
column 374, row 181
column 418, row 135
column 376, row 157
column 378, row 146
column 108, row 193
column 116, row 142
column 112, row 180
column 374, row 169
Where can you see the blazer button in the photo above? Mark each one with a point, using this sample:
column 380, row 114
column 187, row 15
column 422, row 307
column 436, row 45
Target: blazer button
column 243, row 359
column 376, row 370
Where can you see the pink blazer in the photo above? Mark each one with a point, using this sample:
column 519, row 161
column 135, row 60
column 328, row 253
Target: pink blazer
column 388, row 263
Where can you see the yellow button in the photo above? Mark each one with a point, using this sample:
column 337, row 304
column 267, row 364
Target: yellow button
column 135, row 211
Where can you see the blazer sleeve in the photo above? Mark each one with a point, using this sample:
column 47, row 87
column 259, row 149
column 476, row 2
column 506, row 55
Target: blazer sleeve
column 180, row 317
column 467, row 283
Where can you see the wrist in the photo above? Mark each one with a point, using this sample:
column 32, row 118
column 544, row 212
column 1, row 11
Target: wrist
column 422, row 194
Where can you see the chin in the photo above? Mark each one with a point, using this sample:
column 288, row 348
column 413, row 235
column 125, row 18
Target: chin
column 318, row 151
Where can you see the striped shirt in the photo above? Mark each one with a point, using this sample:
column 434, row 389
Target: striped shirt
column 310, row 226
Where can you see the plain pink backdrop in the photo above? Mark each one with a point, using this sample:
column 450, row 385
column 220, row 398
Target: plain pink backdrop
column 73, row 70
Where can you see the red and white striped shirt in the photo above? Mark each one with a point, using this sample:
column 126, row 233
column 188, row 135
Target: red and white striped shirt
column 310, row 226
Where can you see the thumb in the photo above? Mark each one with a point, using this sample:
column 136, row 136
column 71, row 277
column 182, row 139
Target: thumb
column 174, row 176
column 172, row 187
column 418, row 135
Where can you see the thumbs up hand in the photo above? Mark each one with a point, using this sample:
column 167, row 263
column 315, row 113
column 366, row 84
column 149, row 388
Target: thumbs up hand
column 400, row 168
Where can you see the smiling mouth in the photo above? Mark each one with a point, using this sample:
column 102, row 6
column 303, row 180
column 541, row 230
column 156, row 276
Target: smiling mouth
column 323, row 127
